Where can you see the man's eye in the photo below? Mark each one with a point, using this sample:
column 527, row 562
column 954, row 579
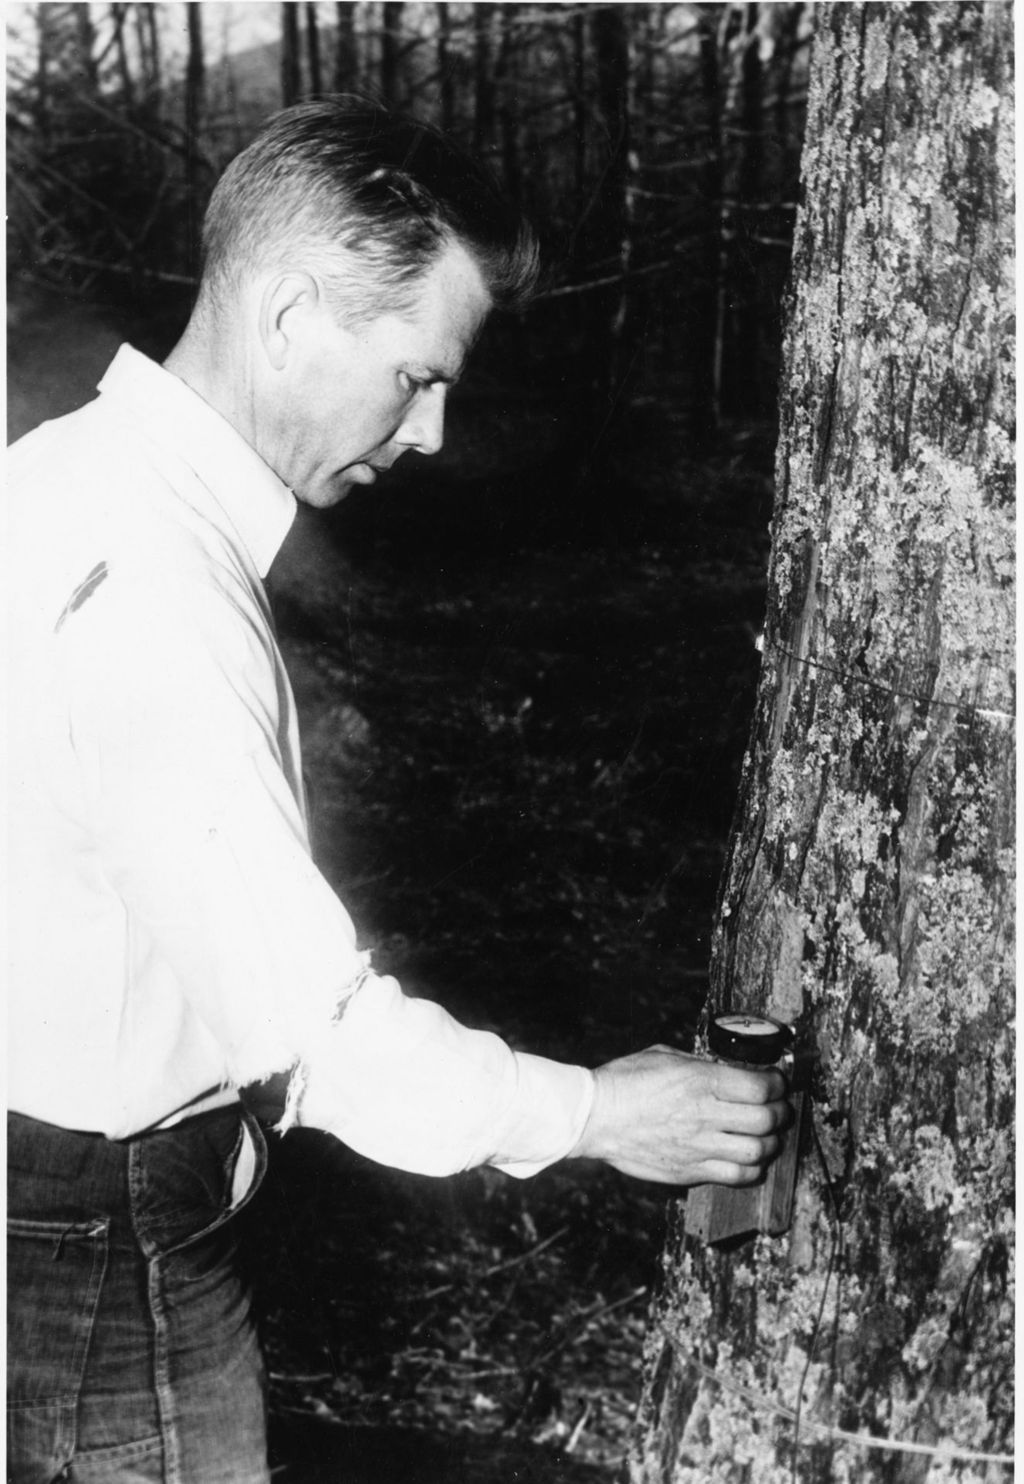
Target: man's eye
column 412, row 383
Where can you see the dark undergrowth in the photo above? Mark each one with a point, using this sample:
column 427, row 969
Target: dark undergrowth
column 524, row 706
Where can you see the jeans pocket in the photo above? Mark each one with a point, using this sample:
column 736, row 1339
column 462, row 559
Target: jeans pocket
column 55, row 1272
column 187, row 1181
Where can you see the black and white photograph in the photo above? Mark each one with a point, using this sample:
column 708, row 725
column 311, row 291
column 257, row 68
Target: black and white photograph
column 509, row 554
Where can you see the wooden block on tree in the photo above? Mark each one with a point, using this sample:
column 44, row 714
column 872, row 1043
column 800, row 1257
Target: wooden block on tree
column 716, row 1213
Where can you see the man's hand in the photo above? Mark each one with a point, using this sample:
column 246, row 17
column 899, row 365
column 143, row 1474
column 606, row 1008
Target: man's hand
column 662, row 1115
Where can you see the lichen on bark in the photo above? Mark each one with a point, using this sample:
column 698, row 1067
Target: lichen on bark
column 869, row 883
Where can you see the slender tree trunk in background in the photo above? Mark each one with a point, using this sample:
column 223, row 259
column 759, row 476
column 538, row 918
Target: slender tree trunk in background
column 787, row 43
column 87, row 46
column 609, row 233
column 579, row 109
column 153, row 47
column 867, row 891
column 346, row 51
column 291, row 74
column 195, row 84
column 705, row 338
column 505, row 82
column 142, row 47
column 195, row 91
column 119, row 14
column 445, row 65
column 744, row 329
column 231, row 108
column 483, row 92
column 41, row 102
column 390, row 48
column 316, row 76
column 751, row 124
column 652, row 22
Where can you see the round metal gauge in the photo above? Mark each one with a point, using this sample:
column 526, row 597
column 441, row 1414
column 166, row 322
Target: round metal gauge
column 755, row 1039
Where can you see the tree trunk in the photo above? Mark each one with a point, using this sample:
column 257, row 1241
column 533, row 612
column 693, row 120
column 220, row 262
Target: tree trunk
column 715, row 30
column 609, row 233
column 579, row 110
column 291, row 69
column 786, row 46
column 195, row 90
column 42, row 101
column 156, row 70
column 445, row 65
column 346, row 52
column 119, row 14
column 390, row 51
column 506, row 80
column 316, row 76
column 867, row 893
column 742, row 394
column 87, row 45
column 483, row 91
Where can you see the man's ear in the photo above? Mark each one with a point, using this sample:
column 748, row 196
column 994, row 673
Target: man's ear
column 287, row 303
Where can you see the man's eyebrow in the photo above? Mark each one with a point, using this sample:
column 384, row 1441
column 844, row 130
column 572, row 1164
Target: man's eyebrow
column 435, row 373
column 429, row 376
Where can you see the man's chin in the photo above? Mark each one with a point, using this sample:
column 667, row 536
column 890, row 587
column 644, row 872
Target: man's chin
column 346, row 480
column 328, row 492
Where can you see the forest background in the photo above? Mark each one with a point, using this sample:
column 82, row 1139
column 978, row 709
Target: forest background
column 525, row 670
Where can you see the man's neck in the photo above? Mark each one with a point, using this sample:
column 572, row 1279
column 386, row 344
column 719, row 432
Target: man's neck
column 217, row 369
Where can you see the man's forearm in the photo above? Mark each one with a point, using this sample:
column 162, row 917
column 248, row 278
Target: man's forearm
column 403, row 1082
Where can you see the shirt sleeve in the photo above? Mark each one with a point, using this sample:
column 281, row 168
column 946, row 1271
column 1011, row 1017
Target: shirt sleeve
column 455, row 1097
column 173, row 716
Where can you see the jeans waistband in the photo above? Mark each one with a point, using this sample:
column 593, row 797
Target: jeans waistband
column 169, row 1186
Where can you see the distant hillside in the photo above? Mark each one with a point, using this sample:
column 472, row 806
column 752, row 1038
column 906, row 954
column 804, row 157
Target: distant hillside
column 242, row 88
column 253, row 75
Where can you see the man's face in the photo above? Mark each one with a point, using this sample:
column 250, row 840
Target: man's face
column 352, row 401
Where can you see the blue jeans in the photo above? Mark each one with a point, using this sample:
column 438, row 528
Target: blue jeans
column 132, row 1353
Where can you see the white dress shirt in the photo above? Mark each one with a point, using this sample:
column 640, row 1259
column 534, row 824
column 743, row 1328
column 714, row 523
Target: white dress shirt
column 171, row 939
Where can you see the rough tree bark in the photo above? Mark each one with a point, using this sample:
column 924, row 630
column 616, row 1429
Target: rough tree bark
column 867, row 893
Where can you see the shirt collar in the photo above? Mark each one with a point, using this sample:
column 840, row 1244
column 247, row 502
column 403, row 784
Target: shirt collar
column 258, row 504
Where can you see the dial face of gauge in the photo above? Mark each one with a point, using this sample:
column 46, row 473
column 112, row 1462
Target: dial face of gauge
column 750, row 1025
column 757, row 1039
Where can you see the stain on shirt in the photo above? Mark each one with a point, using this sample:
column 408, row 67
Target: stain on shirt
column 82, row 593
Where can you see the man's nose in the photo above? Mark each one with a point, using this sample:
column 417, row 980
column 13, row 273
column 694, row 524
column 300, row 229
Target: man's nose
column 423, row 428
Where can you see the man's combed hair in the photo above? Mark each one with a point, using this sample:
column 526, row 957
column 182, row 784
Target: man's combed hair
column 365, row 198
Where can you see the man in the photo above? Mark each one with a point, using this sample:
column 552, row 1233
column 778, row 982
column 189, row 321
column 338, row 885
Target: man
column 172, row 943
